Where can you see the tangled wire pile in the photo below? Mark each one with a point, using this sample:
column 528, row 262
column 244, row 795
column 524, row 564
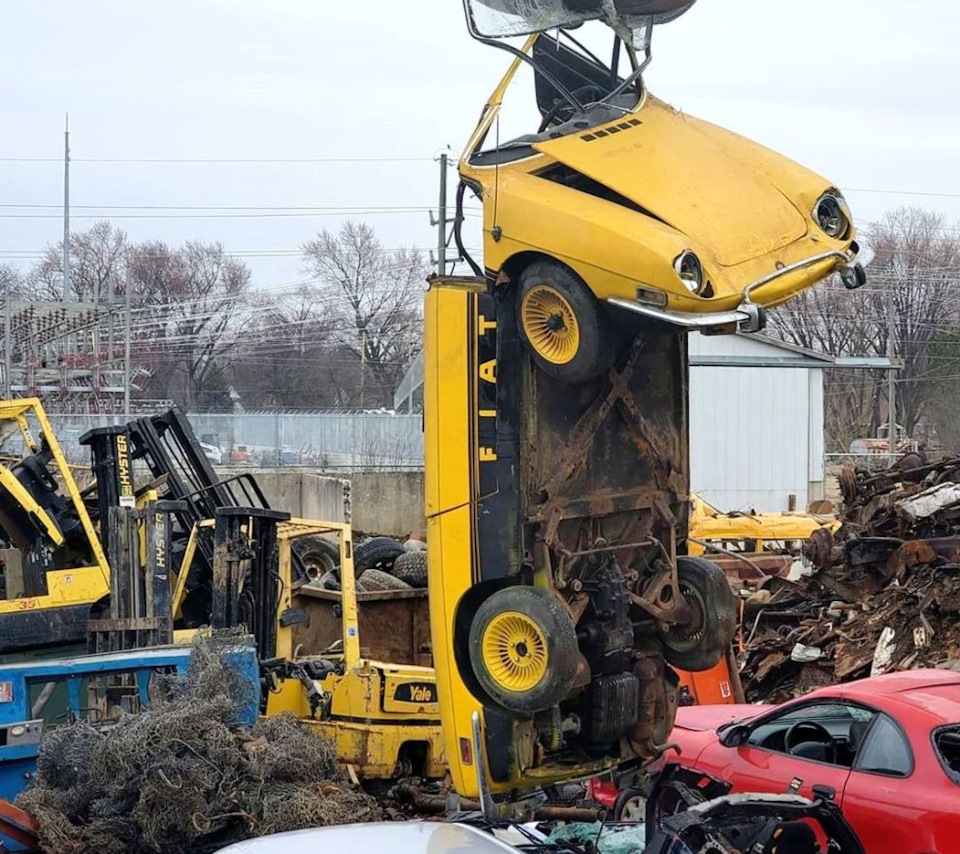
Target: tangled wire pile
column 181, row 777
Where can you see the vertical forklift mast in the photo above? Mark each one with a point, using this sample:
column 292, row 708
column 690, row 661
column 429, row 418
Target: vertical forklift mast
column 113, row 472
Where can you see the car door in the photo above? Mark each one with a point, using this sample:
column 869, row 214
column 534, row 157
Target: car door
column 763, row 765
column 891, row 798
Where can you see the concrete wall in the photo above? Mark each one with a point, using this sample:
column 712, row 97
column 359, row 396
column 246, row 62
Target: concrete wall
column 380, row 502
column 386, row 502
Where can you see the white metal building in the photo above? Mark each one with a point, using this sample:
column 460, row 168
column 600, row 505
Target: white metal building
column 756, row 433
column 757, row 420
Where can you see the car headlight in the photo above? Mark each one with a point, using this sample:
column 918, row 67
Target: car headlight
column 690, row 271
column 832, row 215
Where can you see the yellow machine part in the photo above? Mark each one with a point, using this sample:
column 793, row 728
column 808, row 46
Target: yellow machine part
column 453, row 451
column 514, row 650
column 660, row 160
column 65, row 587
column 371, row 728
column 708, row 524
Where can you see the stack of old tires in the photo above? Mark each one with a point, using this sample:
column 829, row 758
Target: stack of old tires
column 379, row 563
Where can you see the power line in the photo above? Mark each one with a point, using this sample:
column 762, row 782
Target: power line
column 219, row 160
column 929, row 193
column 217, row 207
column 372, row 211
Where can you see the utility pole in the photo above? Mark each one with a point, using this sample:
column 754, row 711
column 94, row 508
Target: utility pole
column 7, row 349
column 127, row 288
column 440, row 222
column 442, row 219
column 363, row 362
column 891, row 374
column 66, row 210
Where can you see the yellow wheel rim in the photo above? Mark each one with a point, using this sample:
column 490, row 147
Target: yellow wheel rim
column 550, row 324
column 514, row 651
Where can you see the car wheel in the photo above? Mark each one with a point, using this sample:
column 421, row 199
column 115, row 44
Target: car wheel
column 631, row 805
column 701, row 644
column 317, row 554
column 562, row 323
column 523, row 649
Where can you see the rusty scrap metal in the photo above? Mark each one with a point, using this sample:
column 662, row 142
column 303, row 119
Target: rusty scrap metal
column 893, row 567
column 819, row 548
column 410, row 793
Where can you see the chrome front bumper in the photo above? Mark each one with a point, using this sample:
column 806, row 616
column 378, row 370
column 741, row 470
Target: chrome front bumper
column 748, row 316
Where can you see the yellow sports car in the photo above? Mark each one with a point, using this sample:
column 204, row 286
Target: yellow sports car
column 620, row 203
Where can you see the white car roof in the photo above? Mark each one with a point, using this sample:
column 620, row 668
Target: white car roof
column 397, row 837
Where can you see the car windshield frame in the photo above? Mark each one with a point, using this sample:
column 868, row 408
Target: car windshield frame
column 583, row 116
column 952, row 775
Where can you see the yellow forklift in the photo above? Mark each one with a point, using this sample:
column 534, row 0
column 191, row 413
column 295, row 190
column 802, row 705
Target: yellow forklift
column 382, row 716
column 54, row 565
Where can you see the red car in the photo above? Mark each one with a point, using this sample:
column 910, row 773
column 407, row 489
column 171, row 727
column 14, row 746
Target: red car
column 889, row 747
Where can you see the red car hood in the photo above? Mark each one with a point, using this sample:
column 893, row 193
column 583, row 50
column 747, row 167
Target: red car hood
column 703, row 718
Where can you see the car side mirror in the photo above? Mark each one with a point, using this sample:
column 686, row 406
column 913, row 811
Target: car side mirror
column 824, row 793
column 734, row 735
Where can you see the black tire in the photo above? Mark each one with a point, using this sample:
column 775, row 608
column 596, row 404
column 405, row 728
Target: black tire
column 411, row 567
column 631, row 805
column 593, row 353
column 376, row 580
column 555, row 644
column 329, row 580
column 377, row 553
column 318, row 555
column 705, row 587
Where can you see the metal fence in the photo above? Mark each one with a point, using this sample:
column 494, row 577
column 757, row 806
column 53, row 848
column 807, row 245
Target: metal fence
column 320, row 440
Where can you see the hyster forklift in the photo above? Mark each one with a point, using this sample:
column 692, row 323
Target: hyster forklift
column 556, row 398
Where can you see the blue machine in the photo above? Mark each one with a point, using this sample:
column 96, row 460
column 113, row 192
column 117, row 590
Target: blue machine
column 26, row 689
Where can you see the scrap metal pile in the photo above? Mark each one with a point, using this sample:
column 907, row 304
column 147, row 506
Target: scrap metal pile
column 181, row 777
column 884, row 594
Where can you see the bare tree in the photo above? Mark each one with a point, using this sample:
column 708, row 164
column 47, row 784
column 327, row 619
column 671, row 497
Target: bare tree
column 374, row 297
column 918, row 259
column 288, row 357
column 97, row 257
column 917, row 268
column 190, row 309
column 11, row 282
column 830, row 319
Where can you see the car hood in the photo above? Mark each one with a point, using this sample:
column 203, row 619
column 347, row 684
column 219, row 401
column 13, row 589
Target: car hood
column 703, row 718
column 697, row 178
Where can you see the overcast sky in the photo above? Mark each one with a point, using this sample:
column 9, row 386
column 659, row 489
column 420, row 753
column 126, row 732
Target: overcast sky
column 863, row 91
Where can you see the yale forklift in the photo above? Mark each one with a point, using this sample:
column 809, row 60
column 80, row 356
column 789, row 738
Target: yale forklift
column 382, row 716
